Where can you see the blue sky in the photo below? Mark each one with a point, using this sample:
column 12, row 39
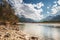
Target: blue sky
column 47, row 8
column 46, row 3
column 37, row 1
column 36, row 9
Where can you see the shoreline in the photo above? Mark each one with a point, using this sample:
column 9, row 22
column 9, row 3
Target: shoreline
column 37, row 23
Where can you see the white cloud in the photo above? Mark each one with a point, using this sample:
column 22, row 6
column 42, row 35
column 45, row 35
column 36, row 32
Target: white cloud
column 28, row 10
column 55, row 5
column 55, row 8
column 48, row 7
column 55, row 2
column 39, row 5
column 14, row 2
column 48, row 12
column 58, row 2
column 31, row 12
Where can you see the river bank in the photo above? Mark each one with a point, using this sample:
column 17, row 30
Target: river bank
column 30, row 31
column 11, row 33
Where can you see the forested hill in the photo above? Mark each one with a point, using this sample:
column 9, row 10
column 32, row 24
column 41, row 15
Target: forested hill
column 7, row 13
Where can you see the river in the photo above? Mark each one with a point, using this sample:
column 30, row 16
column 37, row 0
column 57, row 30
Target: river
column 44, row 31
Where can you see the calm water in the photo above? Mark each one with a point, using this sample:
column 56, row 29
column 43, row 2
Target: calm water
column 44, row 31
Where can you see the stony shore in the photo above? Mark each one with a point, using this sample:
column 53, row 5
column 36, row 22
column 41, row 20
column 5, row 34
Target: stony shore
column 12, row 33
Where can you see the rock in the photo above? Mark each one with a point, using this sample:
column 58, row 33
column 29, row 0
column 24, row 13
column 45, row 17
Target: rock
column 10, row 34
column 6, row 35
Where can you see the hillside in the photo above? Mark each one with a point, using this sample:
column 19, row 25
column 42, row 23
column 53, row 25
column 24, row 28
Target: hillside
column 9, row 31
column 7, row 13
column 51, row 19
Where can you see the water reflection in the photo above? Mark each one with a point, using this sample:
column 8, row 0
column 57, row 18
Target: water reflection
column 45, row 32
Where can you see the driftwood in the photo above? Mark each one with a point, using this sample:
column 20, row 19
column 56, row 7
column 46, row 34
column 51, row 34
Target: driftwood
column 33, row 38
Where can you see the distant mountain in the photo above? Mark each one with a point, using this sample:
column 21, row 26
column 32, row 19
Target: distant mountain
column 23, row 19
column 56, row 18
column 52, row 19
column 48, row 18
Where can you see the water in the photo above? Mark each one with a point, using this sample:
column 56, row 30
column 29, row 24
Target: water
column 43, row 31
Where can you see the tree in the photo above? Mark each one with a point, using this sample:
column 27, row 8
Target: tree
column 7, row 14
